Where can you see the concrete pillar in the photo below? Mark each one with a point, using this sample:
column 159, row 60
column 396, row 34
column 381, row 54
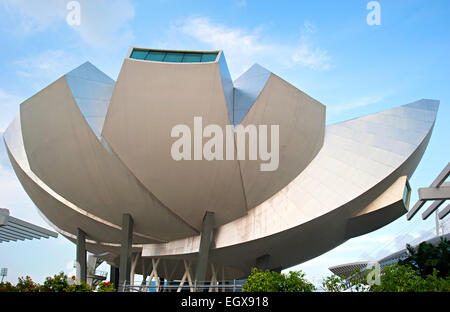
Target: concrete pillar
column 81, row 255
column 114, row 276
column 125, row 250
column 278, row 270
column 205, row 244
column 263, row 262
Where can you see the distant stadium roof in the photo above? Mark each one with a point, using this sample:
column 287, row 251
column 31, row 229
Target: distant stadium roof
column 348, row 269
column 13, row 229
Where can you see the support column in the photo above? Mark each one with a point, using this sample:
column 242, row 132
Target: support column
column 278, row 270
column 263, row 262
column 125, row 250
column 205, row 244
column 114, row 276
column 81, row 255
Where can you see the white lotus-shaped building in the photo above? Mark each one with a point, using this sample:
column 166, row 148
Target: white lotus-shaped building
column 94, row 155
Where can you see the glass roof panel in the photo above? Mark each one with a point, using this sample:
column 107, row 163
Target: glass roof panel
column 139, row 54
column 173, row 57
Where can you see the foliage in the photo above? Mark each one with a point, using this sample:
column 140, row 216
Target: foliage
column 259, row 281
column 26, row 285
column 402, row 278
column 79, row 287
column 7, row 287
column 270, row 281
column 61, row 283
column 105, row 287
column 296, row 282
column 394, row 278
column 425, row 269
column 334, row 283
column 427, row 257
column 57, row 283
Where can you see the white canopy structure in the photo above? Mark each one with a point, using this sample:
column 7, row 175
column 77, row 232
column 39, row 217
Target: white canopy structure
column 13, row 229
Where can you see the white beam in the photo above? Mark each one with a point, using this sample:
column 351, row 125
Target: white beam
column 444, row 212
column 435, row 205
column 135, row 258
column 434, row 193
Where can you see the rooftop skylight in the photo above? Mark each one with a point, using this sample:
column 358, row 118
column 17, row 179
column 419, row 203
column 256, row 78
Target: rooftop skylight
column 173, row 57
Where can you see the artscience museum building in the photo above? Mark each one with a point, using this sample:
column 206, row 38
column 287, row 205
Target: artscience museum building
column 95, row 156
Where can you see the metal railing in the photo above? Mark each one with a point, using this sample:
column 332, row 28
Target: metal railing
column 174, row 286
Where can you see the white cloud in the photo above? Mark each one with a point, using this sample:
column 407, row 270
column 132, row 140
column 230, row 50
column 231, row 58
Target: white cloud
column 240, row 3
column 308, row 53
column 36, row 15
column 243, row 47
column 240, row 46
column 374, row 238
column 104, row 23
column 356, row 103
column 232, row 39
column 43, row 68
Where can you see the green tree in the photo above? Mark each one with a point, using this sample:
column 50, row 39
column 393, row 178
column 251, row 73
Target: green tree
column 402, row 278
column 427, row 257
column 394, row 278
column 105, row 287
column 270, row 281
column 61, row 283
column 334, row 283
column 57, row 283
column 7, row 287
column 26, row 285
column 79, row 287
column 296, row 282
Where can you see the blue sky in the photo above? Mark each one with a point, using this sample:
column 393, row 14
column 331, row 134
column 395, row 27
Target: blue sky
column 325, row 48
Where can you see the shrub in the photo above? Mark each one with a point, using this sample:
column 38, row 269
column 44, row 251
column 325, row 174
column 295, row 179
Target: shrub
column 79, row 287
column 394, row 278
column 61, row 283
column 296, row 282
column 105, row 287
column 7, row 287
column 402, row 278
column 428, row 257
column 26, row 285
column 57, row 283
column 270, row 281
column 334, row 283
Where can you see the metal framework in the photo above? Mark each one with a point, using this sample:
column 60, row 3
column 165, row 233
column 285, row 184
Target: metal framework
column 438, row 192
column 220, row 286
column 13, row 229
column 93, row 275
column 154, row 282
column 161, row 285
